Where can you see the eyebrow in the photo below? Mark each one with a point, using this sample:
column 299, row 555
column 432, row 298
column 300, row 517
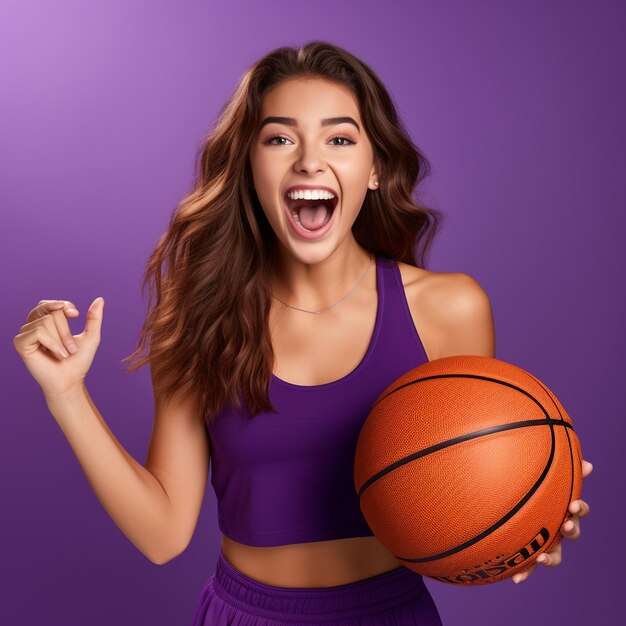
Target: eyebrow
column 328, row 121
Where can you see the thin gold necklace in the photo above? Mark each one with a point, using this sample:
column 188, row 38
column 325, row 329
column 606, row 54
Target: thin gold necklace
column 338, row 301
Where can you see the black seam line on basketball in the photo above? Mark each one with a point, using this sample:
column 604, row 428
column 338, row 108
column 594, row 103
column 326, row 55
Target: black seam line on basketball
column 571, row 454
column 469, row 435
column 462, row 438
column 501, row 521
column 487, row 378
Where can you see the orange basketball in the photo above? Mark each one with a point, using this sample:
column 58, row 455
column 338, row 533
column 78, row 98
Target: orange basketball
column 465, row 468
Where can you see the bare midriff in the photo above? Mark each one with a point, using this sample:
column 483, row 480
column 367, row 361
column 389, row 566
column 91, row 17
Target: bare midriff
column 314, row 564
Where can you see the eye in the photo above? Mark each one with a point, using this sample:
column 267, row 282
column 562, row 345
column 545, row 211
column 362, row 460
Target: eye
column 269, row 140
column 350, row 141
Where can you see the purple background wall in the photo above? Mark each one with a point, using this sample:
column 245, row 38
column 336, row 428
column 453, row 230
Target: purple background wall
column 520, row 108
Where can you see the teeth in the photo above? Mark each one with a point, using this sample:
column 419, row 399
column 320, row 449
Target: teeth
column 310, row 194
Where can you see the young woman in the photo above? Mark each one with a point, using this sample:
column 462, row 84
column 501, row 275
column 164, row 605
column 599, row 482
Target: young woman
column 293, row 293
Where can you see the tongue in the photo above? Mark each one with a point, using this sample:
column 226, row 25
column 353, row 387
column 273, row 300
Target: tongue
column 313, row 217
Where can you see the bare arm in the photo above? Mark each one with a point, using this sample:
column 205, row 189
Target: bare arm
column 155, row 506
column 471, row 329
column 158, row 522
column 460, row 313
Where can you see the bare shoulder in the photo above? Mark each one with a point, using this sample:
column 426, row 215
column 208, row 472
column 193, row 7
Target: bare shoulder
column 451, row 312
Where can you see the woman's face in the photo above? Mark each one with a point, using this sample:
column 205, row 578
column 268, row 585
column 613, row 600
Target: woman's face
column 308, row 151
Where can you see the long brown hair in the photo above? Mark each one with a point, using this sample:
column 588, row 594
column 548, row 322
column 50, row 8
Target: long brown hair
column 210, row 271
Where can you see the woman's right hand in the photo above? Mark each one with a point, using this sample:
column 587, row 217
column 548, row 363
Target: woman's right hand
column 46, row 335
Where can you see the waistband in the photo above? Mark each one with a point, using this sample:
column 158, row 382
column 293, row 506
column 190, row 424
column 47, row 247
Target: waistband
column 359, row 598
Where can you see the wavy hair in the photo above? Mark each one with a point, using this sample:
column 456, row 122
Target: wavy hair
column 210, row 272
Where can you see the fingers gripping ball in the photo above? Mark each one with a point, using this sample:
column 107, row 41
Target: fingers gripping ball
column 465, row 468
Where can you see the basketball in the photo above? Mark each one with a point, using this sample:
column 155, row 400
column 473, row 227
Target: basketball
column 465, row 468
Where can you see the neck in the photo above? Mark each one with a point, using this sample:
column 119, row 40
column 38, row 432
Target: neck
column 313, row 284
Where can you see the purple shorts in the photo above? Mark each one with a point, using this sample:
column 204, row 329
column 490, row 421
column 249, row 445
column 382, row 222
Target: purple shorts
column 398, row 597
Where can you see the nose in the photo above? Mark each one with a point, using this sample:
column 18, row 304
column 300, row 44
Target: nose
column 308, row 159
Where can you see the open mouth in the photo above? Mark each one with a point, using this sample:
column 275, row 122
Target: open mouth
column 311, row 215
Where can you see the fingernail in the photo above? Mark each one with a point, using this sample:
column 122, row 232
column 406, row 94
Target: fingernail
column 517, row 579
column 569, row 525
column 541, row 558
column 71, row 310
column 576, row 507
column 73, row 348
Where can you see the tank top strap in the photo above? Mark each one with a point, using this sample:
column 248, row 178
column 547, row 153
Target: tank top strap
column 397, row 331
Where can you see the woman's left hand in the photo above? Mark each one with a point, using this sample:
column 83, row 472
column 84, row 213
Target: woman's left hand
column 571, row 530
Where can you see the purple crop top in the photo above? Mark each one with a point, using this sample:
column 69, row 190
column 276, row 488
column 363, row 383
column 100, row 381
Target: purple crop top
column 288, row 477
